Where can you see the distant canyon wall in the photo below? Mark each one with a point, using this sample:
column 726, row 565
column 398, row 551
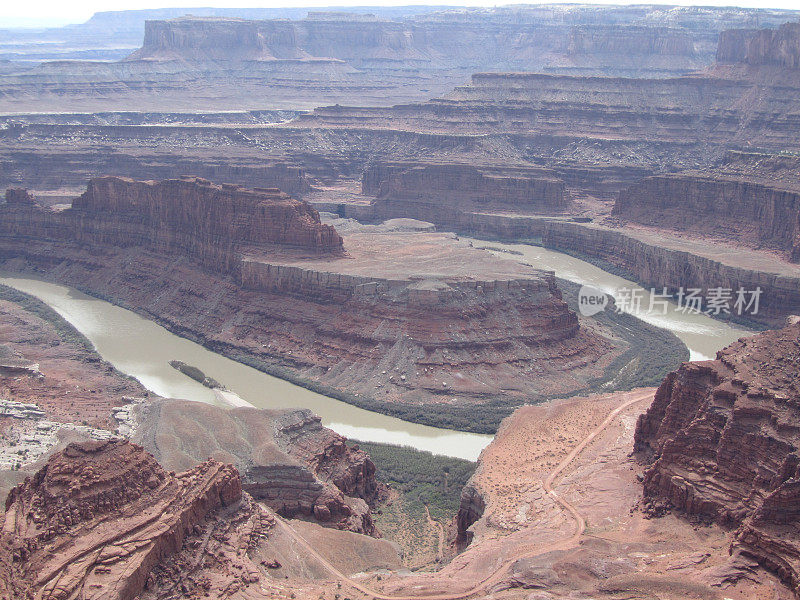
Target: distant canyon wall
column 752, row 213
column 468, row 44
column 755, row 47
column 54, row 169
column 463, row 187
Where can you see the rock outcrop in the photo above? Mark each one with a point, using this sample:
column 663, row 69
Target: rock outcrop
column 194, row 217
column 190, row 216
column 755, row 209
column 723, row 440
column 758, row 47
column 402, row 187
column 19, row 197
column 286, row 459
column 658, row 266
column 99, row 516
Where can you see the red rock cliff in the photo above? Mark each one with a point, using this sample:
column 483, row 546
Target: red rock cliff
column 779, row 47
column 99, row 516
column 195, row 217
column 211, row 224
column 723, row 440
column 750, row 211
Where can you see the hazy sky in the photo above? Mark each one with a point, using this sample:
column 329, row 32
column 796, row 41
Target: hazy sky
column 32, row 12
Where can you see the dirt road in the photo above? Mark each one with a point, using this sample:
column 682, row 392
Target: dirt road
column 500, row 572
column 440, row 531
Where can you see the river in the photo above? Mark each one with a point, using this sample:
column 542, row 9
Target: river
column 143, row 349
column 702, row 335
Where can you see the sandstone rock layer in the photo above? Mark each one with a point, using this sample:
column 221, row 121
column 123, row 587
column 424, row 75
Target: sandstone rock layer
column 723, row 439
column 99, row 516
column 287, row 459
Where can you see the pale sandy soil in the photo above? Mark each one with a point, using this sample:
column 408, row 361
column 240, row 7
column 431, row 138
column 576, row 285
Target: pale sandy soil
column 414, row 255
column 527, row 546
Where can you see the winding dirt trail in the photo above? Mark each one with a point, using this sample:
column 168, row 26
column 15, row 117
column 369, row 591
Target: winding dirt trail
column 500, row 572
column 440, row 531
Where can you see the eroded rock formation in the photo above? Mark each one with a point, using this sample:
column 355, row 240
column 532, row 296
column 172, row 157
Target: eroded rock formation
column 194, row 217
column 251, row 281
column 101, row 515
column 723, row 440
column 286, row 458
column 779, row 47
column 412, row 190
column 747, row 200
column 188, row 216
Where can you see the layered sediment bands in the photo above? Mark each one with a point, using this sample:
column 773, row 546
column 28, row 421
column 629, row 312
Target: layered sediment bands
column 747, row 212
column 756, row 47
column 99, row 516
column 368, row 42
column 223, row 63
column 450, row 337
column 218, row 39
column 286, row 459
column 45, row 170
column 632, row 40
column 705, row 108
column 723, row 440
column 463, row 187
column 191, row 214
column 188, row 216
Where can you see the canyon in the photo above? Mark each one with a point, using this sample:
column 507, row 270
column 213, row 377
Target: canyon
column 530, row 145
column 572, row 452
column 442, row 329
column 379, row 56
column 335, row 161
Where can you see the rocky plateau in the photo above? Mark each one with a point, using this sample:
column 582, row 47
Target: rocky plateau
column 456, row 326
column 659, row 143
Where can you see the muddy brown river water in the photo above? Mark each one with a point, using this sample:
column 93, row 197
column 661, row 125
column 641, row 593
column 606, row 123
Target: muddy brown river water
column 143, row 349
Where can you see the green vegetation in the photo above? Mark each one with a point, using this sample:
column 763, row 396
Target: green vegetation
column 417, row 479
column 653, row 352
column 461, row 418
column 421, row 477
column 196, row 374
column 33, row 305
